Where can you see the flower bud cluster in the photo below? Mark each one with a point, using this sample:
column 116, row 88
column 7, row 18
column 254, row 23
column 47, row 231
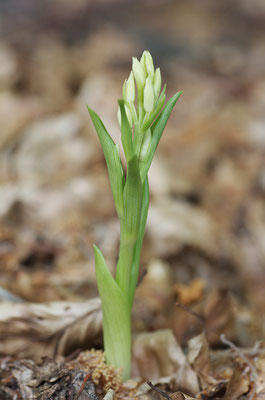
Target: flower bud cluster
column 149, row 99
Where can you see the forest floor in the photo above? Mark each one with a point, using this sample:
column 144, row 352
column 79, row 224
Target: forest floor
column 198, row 316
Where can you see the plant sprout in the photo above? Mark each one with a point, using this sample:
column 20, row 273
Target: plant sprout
column 142, row 120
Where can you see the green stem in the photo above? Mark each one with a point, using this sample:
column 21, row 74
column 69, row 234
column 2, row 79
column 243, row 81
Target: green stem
column 116, row 317
column 139, row 242
column 138, row 139
column 125, row 260
column 117, row 339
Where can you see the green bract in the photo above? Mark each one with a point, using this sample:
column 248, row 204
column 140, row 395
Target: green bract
column 142, row 125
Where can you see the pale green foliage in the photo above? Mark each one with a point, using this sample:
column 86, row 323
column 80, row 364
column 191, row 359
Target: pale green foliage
column 142, row 125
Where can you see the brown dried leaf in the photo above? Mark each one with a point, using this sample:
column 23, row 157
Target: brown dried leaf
column 219, row 315
column 157, row 355
column 155, row 293
column 260, row 378
column 239, row 383
column 199, row 357
column 32, row 330
column 181, row 396
column 215, row 391
column 172, row 225
column 216, row 315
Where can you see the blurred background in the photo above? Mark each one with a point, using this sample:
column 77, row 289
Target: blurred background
column 205, row 239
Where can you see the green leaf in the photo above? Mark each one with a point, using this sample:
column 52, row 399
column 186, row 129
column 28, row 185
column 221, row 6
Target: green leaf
column 157, row 130
column 115, row 169
column 132, row 197
column 126, row 133
column 139, row 242
column 116, row 317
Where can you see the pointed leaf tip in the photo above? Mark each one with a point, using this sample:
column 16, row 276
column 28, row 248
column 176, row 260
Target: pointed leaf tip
column 126, row 132
column 113, row 161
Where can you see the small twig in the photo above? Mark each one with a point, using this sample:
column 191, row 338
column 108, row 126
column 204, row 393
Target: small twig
column 164, row 394
column 257, row 349
column 236, row 350
column 83, row 385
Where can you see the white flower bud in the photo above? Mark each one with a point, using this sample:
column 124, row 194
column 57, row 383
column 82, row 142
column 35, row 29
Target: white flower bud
column 130, row 89
column 133, row 112
column 138, row 72
column 149, row 64
column 128, row 113
column 142, row 60
column 157, row 83
column 149, row 96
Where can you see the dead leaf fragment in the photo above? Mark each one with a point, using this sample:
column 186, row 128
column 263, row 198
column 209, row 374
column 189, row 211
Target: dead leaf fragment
column 172, row 225
column 157, row 355
column 34, row 330
column 215, row 391
column 199, row 357
column 155, row 293
column 219, row 315
column 181, row 396
column 239, row 383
